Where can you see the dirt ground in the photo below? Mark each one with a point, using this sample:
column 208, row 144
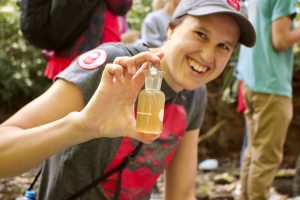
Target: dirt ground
column 12, row 188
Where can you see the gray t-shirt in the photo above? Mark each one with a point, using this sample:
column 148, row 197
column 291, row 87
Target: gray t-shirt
column 70, row 170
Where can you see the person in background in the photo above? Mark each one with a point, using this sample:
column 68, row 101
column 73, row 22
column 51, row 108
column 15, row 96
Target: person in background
column 296, row 181
column 158, row 4
column 128, row 36
column 241, row 107
column 266, row 71
column 84, row 138
column 103, row 27
column 155, row 24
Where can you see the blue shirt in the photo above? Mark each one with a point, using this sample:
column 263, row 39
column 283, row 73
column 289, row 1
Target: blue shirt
column 262, row 68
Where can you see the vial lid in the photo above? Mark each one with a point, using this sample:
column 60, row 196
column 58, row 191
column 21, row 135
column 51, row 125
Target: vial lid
column 153, row 79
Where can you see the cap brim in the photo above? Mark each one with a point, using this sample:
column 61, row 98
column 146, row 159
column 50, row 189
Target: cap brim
column 248, row 36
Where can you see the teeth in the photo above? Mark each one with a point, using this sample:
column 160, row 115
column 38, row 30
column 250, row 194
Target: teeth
column 197, row 67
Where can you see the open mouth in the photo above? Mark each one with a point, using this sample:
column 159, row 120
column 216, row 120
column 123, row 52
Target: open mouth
column 197, row 67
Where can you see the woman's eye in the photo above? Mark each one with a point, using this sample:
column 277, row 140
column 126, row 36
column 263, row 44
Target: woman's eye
column 224, row 46
column 202, row 35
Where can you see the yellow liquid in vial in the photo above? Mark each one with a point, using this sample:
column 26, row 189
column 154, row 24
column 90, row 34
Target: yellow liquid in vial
column 150, row 111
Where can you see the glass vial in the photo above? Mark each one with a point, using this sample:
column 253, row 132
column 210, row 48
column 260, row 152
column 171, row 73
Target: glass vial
column 151, row 103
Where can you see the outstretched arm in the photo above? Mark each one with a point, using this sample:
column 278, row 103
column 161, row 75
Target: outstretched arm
column 180, row 177
column 58, row 118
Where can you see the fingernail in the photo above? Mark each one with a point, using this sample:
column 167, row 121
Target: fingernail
column 132, row 70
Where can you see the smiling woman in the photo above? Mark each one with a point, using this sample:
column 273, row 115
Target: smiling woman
column 88, row 126
column 207, row 47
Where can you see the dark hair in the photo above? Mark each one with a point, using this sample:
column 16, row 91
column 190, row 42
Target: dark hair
column 176, row 22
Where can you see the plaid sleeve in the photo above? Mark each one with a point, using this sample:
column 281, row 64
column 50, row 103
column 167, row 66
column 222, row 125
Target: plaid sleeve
column 119, row 7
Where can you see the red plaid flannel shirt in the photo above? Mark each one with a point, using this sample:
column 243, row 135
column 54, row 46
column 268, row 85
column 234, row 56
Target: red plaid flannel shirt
column 103, row 27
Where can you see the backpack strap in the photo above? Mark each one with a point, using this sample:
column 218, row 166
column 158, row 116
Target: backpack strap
column 120, row 168
column 35, row 179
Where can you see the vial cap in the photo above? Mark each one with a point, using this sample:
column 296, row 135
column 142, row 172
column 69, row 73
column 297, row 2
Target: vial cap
column 153, row 79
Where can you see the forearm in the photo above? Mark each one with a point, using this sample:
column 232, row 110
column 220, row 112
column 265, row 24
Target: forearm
column 186, row 192
column 283, row 37
column 295, row 35
column 291, row 38
column 180, row 177
column 22, row 149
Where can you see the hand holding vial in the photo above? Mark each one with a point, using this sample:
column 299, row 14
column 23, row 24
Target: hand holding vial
column 126, row 76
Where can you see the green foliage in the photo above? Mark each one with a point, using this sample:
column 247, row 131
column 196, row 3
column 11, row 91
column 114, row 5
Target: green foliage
column 138, row 12
column 21, row 65
column 297, row 60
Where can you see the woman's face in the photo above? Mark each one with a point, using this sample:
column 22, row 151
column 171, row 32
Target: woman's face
column 198, row 50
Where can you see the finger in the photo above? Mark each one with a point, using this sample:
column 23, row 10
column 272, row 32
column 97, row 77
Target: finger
column 159, row 54
column 124, row 61
column 146, row 65
column 114, row 71
column 139, row 76
column 134, row 62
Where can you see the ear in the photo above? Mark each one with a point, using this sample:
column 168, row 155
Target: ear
column 170, row 31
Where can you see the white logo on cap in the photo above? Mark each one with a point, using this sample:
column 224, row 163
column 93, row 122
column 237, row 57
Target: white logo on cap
column 92, row 59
